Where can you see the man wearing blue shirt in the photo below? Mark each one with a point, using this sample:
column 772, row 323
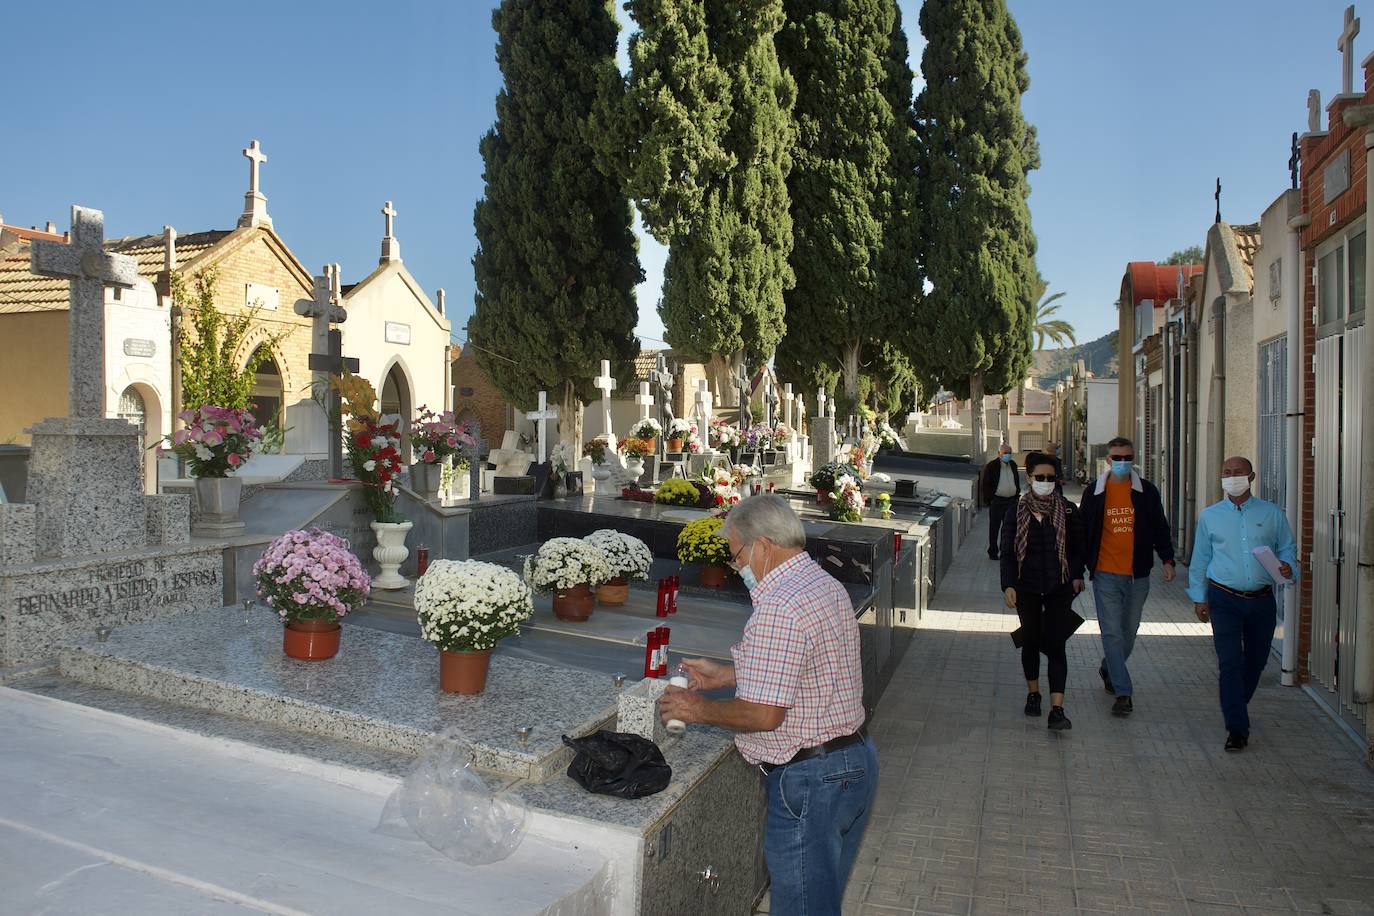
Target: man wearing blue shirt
column 1231, row 588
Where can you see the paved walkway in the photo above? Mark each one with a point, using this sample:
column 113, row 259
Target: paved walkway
column 982, row 810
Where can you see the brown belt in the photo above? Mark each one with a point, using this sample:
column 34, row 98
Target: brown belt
column 1257, row 593
column 820, row 750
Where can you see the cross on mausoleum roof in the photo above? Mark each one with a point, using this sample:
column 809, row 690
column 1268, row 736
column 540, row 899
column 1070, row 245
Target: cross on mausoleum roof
column 254, row 203
column 1346, row 45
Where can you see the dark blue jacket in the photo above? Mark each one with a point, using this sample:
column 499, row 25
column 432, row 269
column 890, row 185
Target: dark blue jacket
column 1041, row 572
column 1151, row 527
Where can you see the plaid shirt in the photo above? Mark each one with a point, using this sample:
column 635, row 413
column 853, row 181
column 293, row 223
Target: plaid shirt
column 800, row 651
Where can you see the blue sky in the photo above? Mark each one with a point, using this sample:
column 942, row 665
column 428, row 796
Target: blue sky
column 141, row 110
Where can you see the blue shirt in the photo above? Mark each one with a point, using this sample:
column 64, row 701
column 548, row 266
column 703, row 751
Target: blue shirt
column 1226, row 535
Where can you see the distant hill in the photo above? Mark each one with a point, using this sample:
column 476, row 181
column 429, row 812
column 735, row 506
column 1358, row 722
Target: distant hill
column 1099, row 357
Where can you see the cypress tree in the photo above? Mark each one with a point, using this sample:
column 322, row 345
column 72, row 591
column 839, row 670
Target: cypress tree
column 974, row 331
column 556, row 263
column 713, row 108
column 852, row 187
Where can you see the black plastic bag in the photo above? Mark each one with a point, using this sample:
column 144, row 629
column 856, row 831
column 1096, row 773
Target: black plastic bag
column 618, row 763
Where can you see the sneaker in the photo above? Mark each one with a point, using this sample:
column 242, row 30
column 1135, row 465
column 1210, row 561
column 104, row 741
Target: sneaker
column 1106, row 680
column 1033, row 704
column 1236, row 742
column 992, row 555
column 1123, row 707
column 1058, row 721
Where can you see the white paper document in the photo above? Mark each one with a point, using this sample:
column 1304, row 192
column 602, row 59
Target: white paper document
column 1271, row 565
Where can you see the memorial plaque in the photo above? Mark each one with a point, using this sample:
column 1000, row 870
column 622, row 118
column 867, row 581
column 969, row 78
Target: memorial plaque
column 1336, row 177
column 398, row 333
column 256, row 295
column 137, row 346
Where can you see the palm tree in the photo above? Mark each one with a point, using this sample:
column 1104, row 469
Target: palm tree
column 1056, row 330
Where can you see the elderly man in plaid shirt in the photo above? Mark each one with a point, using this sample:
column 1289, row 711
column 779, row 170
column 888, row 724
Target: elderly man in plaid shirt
column 798, row 707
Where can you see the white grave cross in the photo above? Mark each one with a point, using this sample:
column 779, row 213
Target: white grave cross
column 89, row 269
column 605, row 384
column 542, row 416
column 787, row 400
column 704, row 410
column 254, row 203
column 1346, row 45
column 820, row 402
column 645, row 400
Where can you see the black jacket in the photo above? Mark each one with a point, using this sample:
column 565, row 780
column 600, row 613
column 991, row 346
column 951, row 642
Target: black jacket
column 1151, row 527
column 990, row 475
column 1040, row 572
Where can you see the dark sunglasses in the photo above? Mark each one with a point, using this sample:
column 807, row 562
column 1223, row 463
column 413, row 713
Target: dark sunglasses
column 1044, row 478
column 1121, row 457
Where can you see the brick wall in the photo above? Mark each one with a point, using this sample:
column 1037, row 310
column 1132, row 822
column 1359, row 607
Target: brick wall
column 484, row 402
column 1328, row 220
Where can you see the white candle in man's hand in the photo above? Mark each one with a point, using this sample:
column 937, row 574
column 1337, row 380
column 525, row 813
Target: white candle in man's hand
column 677, row 727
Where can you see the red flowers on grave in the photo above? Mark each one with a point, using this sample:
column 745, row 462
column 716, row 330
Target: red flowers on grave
column 373, row 445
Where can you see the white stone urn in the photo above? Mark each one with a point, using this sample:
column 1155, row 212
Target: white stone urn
column 390, row 553
column 601, row 476
column 426, row 478
column 635, row 466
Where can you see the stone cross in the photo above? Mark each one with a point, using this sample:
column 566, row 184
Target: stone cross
column 704, row 411
column 605, row 384
column 771, row 401
column 820, row 402
column 323, row 310
column 254, row 203
column 391, row 249
column 1314, row 111
column 1217, row 195
column 542, row 416
column 644, row 400
column 474, row 455
column 88, row 268
column 788, row 398
column 1346, row 45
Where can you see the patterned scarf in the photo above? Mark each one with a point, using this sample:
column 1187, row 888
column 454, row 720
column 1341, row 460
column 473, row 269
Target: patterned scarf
column 1051, row 507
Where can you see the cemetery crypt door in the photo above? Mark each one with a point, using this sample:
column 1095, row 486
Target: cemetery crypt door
column 1338, row 466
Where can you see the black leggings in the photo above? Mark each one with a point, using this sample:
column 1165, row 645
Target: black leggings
column 1045, row 627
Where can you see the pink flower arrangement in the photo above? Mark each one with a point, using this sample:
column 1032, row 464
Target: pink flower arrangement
column 216, row 440
column 435, row 436
column 311, row 575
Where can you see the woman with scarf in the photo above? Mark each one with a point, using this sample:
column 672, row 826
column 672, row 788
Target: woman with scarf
column 1042, row 570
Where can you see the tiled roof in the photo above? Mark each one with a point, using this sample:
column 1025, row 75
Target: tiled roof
column 1157, row 282
column 23, row 291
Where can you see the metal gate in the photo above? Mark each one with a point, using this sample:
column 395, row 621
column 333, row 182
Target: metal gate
column 1272, row 457
column 1336, row 514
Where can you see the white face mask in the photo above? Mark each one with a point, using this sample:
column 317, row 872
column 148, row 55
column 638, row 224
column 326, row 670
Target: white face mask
column 1042, row 487
column 1235, row 486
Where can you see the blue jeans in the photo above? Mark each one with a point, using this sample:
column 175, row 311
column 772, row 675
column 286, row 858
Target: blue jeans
column 1242, row 632
column 817, row 812
column 1120, row 600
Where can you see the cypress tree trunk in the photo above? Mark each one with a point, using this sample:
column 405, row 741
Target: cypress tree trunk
column 570, row 415
column 977, row 418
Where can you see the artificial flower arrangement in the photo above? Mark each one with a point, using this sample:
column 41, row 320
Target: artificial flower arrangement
column 216, row 440
column 595, row 449
column 887, row 436
column 470, row 606
column 723, row 486
column 700, row 542
column 724, row 435
column 758, row 437
column 374, row 446
column 825, row 475
column 884, row 501
column 648, row 428
column 562, row 457
column 846, row 503
column 435, row 436
column 627, row 556
column 632, row 447
column 563, row 563
column 781, row 434
column 310, row 575
column 676, row 491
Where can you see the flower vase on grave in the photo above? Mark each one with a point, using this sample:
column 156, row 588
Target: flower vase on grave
column 426, row 478
column 311, row 640
column 674, row 446
column 601, row 474
column 615, row 592
column 464, row 672
column 574, row 604
column 635, row 466
column 218, row 499
column 390, row 553
column 713, row 575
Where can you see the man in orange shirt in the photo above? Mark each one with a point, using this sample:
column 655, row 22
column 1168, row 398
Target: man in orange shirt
column 1126, row 526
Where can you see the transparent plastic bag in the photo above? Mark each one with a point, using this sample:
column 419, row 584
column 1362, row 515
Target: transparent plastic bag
column 446, row 803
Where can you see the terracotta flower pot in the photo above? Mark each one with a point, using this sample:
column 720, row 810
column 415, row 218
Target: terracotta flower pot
column 311, row 640
column 713, row 575
column 574, row 604
column 674, row 445
column 464, row 672
column 615, row 592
